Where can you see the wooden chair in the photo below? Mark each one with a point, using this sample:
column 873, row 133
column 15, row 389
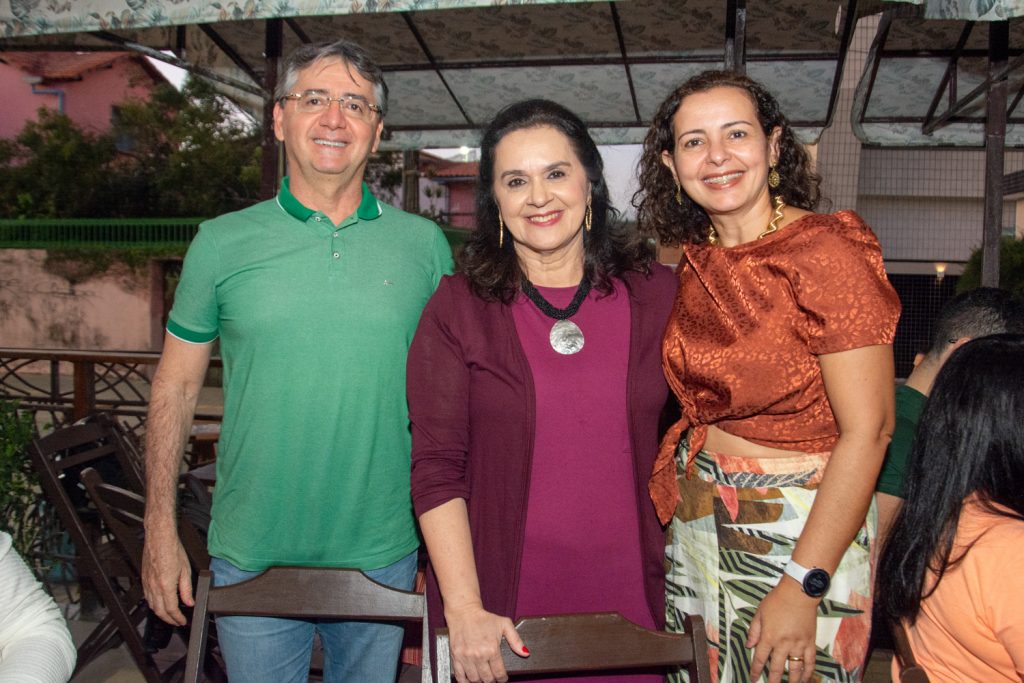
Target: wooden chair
column 910, row 670
column 123, row 513
column 304, row 593
column 596, row 642
column 59, row 459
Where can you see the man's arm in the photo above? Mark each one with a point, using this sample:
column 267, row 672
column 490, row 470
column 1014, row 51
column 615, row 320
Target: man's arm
column 166, row 572
column 891, row 486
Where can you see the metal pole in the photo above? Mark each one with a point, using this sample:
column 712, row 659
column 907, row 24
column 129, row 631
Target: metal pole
column 995, row 134
column 269, row 176
column 410, row 181
column 736, row 36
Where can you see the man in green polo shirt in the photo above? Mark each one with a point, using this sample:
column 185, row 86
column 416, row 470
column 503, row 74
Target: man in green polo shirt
column 315, row 296
column 976, row 313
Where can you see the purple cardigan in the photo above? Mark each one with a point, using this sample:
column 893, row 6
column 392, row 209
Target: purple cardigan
column 471, row 404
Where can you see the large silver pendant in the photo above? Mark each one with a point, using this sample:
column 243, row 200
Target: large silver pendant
column 566, row 337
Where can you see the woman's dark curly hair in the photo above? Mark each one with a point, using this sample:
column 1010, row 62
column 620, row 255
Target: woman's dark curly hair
column 610, row 248
column 658, row 212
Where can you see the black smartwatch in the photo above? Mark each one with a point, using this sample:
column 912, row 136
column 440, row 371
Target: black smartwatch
column 814, row 581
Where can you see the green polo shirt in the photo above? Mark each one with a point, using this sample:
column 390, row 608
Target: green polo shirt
column 315, row 321
column 909, row 404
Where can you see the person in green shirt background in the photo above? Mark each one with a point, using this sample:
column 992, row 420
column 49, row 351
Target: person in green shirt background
column 976, row 313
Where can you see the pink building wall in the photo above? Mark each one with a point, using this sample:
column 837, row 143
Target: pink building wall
column 461, row 203
column 88, row 102
column 41, row 308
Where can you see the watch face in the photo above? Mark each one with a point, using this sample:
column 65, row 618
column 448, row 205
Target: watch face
column 816, row 582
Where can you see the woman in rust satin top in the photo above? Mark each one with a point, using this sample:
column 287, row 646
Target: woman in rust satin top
column 780, row 352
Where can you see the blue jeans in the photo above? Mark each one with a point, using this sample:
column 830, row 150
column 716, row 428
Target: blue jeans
column 273, row 650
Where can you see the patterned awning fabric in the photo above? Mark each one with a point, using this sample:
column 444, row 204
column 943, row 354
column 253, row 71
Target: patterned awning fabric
column 451, row 64
column 930, row 57
column 973, row 10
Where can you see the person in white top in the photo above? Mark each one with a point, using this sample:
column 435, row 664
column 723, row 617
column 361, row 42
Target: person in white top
column 35, row 646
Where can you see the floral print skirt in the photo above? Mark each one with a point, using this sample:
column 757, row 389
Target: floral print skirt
column 731, row 536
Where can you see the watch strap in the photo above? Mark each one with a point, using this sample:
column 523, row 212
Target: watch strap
column 797, row 571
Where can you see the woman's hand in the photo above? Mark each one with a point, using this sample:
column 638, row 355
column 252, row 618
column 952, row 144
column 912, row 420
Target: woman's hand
column 784, row 627
column 475, row 635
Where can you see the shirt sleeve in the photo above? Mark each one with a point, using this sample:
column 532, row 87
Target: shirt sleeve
column 842, row 288
column 894, row 468
column 194, row 316
column 437, row 382
column 443, row 262
column 35, row 646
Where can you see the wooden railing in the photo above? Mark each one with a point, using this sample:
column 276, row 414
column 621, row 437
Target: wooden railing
column 68, row 385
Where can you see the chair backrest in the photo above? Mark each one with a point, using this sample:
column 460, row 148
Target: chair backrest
column 602, row 641
column 123, row 512
column 98, row 442
column 910, row 670
column 59, row 459
column 305, row 593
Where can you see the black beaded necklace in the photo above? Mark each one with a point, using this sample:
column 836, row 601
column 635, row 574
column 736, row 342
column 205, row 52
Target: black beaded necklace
column 566, row 337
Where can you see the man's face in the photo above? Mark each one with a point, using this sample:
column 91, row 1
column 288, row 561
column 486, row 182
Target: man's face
column 330, row 142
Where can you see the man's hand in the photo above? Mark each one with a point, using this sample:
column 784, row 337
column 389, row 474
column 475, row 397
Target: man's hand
column 166, row 574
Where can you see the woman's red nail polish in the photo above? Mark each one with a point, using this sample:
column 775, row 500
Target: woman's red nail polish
column 526, row 649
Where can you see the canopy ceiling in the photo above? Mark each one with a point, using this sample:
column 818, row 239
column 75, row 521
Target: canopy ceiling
column 925, row 77
column 451, row 64
column 975, row 10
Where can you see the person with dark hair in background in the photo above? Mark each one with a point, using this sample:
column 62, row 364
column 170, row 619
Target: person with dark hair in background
column 535, row 390
column 780, row 352
column 950, row 569
column 975, row 313
column 314, row 295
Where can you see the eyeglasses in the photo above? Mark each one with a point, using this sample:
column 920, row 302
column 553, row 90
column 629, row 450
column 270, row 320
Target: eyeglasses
column 319, row 101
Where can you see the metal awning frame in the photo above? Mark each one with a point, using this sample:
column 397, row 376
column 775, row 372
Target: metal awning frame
column 997, row 114
column 947, row 84
column 734, row 56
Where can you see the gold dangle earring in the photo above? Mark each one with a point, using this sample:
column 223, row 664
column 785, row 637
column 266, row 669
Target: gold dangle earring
column 679, row 194
column 773, row 177
column 501, row 231
column 588, row 218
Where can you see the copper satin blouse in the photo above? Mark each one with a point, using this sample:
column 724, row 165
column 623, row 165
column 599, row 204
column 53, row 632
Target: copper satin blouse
column 740, row 351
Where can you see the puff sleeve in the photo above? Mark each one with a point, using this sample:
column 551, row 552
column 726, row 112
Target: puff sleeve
column 841, row 286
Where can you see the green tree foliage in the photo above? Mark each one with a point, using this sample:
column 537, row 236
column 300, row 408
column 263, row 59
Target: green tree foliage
column 177, row 154
column 19, row 486
column 192, row 153
column 53, row 169
column 1011, row 268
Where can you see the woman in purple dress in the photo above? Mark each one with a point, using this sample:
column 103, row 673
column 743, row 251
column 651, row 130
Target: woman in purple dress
column 535, row 391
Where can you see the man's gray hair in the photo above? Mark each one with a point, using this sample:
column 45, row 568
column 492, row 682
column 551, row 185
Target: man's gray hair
column 348, row 52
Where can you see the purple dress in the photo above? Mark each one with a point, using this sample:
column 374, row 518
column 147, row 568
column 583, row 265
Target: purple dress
column 582, row 548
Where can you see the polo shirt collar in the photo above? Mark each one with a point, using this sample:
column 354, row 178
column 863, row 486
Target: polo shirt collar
column 368, row 209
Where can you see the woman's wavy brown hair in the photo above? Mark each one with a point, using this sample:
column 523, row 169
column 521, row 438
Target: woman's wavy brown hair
column 658, row 212
column 611, row 248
